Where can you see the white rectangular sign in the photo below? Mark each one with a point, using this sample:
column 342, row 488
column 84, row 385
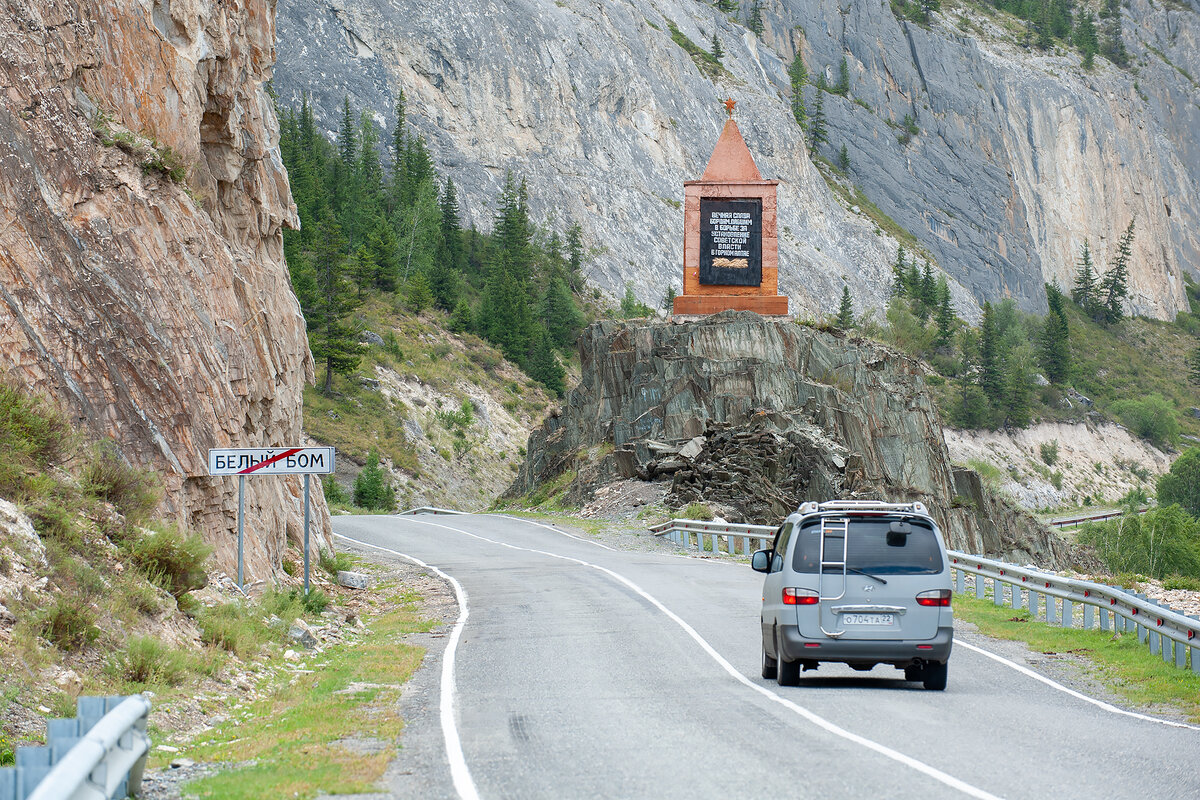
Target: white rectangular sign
column 271, row 461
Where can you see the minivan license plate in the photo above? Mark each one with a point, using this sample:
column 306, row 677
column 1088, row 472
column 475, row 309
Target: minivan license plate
column 867, row 619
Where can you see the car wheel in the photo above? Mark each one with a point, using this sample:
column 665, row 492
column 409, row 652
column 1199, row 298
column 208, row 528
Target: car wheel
column 787, row 673
column 769, row 665
column 935, row 676
column 913, row 674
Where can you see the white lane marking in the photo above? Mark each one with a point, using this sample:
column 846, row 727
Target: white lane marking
column 1079, row 695
column 556, row 530
column 884, row 750
column 459, row 772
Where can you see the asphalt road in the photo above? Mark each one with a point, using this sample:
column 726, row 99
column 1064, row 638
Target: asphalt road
column 587, row 672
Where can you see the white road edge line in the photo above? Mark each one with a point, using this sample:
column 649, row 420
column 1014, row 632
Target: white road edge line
column 821, row 722
column 1078, row 695
column 459, row 772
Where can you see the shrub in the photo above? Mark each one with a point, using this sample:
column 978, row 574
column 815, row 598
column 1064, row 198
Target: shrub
column 233, row 627
column 697, row 511
column 332, row 562
column 8, row 756
column 33, row 437
column 173, row 560
column 1153, row 418
column 1181, row 582
column 1182, row 484
column 146, row 660
column 69, row 623
column 335, row 495
column 315, row 601
column 106, row 476
column 141, row 595
column 372, row 489
column 1049, row 452
column 1161, row 542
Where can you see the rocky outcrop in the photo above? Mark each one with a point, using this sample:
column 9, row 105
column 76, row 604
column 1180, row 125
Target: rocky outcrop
column 142, row 281
column 1020, row 155
column 761, row 415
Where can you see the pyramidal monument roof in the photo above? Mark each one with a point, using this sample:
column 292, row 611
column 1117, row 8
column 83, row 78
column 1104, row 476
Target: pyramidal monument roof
column 731, row 161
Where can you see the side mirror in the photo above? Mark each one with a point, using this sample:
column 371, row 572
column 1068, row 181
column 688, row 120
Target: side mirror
column 761, row 561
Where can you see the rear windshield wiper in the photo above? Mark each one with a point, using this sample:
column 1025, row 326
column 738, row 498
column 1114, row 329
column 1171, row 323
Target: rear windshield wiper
column 869, row 575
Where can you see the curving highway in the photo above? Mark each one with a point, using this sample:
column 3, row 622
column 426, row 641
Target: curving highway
column 576, row 670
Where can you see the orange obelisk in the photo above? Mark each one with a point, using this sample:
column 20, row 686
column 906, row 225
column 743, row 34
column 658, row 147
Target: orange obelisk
column 730, row 247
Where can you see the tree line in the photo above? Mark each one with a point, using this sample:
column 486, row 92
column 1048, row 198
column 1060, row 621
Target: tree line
column 394, row 227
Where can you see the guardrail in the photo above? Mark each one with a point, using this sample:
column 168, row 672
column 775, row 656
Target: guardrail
column 97, row 755
column 1075, row 522
column 1173, row 636
column 1168, row 633
column 412, row 512
column 706, row 536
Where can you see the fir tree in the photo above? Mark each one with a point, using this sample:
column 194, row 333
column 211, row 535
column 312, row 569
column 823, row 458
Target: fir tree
column 845, row 315
column 991, row 372
column 1045, row 34
column 1114, row 289
column 798, row 76
column 755, row 23
column 399, row 136
column 1086, row 39
column 417, row 293
column 462, row 321
column 372, row 489
column 899, row 274
column 1084, row 293
column 668, row 301
column 347, row 139
column 560, row 315
column 728, row 6
column 928, row 291
column 717, row 52
column 1054, row 347
column 912, row 280
column 544, row 367
column 1193, row 363
column 842, row 86
column 817, row 134
column 843, row 159
column 945, row 314
column 334, row 340
column 1017, row 393
column 928, row 7
column 1114, row 44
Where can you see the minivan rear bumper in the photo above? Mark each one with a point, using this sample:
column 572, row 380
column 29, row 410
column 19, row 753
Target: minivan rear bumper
column 900, row 652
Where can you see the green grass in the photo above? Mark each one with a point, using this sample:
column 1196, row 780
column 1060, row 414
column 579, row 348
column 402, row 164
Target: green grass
column 289, row 739
column 703, row 59
column 1118, row 661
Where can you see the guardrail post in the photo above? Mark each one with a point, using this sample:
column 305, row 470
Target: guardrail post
column 1089, row 617
column 1033, row 604
column 1168, row 649
column 1017, row 600
column 1194, row 652
column 1104, row 619
column 1180, row 654
column 960, row 581
column 1154, row 642
column 1051, row 610
column 997, row 592
column 1068, row 614
column 979, row 587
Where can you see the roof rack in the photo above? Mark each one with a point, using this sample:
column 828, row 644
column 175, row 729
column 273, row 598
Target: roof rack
column 814, row 507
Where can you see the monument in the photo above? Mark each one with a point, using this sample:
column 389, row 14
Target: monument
column 730, row 249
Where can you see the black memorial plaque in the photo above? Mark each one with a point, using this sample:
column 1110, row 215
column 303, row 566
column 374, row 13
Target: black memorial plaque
column 731, row 242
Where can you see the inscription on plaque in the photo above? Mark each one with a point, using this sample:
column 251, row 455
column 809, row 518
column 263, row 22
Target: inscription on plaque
column 731, row 242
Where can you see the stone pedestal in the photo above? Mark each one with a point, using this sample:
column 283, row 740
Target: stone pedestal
column 730, row 244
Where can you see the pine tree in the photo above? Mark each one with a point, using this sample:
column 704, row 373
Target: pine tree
column 399, row 135
column 817, row 134
column 560, row 315
column 728, row 6
column 755, row 23
column 1084, row 293
column 912, row 281
column 843, row 160
column 899, row 274
column 544, row 367
column 575, row 257
column 1017, row 393
column 1193, row 363
column 1086, row 39
column 1114, row 44
column 798, row 75
column 945, row 314
column 1054, row 347
column 845, row 315
column 347, row 139
column 668, row 301
column 928, row 7
column 417, row 293
column 928, row 291
column 991, row 374
column 1114, row 288
column 1045, row 36
column 717, row 52
column 372, row 490
column 462, row 321
column 842, row 86
column 334, row 340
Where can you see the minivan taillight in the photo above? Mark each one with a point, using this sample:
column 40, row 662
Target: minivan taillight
column 934, row 597
column 799, row 597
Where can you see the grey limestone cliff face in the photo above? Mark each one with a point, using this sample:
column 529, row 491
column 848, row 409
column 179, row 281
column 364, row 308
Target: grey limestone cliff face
column 758, row 416
column 1020, row 155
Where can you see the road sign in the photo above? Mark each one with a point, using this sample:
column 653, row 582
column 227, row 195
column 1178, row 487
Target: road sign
column 271, row 461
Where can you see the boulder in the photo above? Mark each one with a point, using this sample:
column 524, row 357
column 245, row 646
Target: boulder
column 301, row 634
column 353, row 580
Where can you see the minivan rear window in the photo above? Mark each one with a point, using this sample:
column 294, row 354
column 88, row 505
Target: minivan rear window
column 869, row 548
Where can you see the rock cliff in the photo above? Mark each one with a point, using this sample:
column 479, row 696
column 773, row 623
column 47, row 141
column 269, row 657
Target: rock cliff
column 142, row 281
column 758, row 416
column 1019, row 155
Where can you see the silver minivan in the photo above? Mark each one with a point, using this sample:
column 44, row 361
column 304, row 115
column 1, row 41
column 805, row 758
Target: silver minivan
column 857, row 582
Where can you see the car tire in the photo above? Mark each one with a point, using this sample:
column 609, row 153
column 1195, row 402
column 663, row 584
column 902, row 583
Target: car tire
column 934, row 675
column 914, row 674
column 769, row 665
column 787, row 673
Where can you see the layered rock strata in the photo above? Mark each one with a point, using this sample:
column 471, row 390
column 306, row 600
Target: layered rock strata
column 142, row 281
column 757, row 416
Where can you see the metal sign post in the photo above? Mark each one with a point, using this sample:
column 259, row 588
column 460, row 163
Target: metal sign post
column 243, row 461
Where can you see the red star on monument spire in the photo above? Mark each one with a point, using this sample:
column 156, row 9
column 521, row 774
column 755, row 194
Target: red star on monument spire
column 729, row 104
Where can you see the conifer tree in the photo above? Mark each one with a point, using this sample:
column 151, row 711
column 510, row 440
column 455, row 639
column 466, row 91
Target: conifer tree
column 913, row 280
column 334, row 339
column 717, row 51
column 372, row 490
column 575, row 257
column 798, row 75
column 899, row 274
column 1086, row 39
column 928, row 7
column 668, row 301
column 1114, row 44
column 755, row 23
column 1084, row 293
column 1045, row 35
column 1193, row 363
column 843, row 160
column 1054, row 347
column 728, row 6
column 560, row 315
column 928, row 291
column 544, row 367
column 418, row 293
column 842, row 86
column 347, row 139
column 1114, row 288
column 817, row 134
column 945, row 314
column 399, row 135
column 845, row 315
column 462, row 321
column 991, row 373
column 1017, row 393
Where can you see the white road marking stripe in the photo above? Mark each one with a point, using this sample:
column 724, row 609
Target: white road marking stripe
column 556, row 530
column 459, row 772
column 884, row 750
column 1079, row 695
